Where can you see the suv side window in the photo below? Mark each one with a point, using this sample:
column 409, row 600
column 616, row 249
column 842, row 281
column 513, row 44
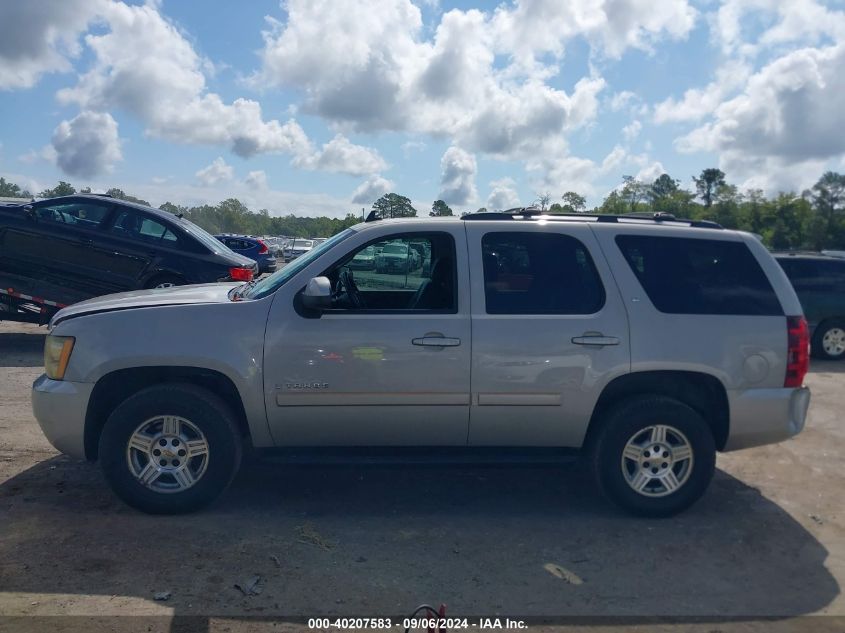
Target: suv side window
column 79, row 214
column 539, row 273
column 401, row 272
column 137, row 226
column 700, row 276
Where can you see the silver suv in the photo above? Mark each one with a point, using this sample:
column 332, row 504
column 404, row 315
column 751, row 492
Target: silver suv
column 648, row 344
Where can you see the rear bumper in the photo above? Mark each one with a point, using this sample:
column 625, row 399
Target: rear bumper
column 60, row 407
column 765, row 416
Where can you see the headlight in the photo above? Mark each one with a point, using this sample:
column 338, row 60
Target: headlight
column 57, row 351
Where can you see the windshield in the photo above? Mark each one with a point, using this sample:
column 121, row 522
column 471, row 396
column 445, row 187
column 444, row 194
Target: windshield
column 270, row 284
column 302, row 244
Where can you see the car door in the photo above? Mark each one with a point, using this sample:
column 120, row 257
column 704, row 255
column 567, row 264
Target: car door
column 60, row 243
column 137, row 243
column 393, row 372
column 549, row 330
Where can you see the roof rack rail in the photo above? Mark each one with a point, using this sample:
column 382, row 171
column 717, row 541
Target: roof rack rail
column 531, row 213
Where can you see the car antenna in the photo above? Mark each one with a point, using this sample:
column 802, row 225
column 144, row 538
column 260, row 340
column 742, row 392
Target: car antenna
column 373, row 217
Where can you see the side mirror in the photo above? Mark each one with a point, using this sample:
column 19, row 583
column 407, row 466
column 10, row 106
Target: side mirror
column 317, row 294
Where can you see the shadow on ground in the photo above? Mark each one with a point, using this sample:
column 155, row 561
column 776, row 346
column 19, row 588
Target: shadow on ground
column 818, row 366
column 372, row 540
column 21, row 350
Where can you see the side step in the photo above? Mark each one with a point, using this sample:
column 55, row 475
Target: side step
column 397, row 456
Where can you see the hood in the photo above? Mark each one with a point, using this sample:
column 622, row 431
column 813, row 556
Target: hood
column 175, row 295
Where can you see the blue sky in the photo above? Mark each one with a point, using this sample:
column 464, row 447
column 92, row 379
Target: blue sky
column 320, row 106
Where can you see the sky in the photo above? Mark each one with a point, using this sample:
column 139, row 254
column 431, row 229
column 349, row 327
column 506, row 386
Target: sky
column 318, row 107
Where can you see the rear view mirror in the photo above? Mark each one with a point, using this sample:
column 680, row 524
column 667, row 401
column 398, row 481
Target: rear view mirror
column 317, row 294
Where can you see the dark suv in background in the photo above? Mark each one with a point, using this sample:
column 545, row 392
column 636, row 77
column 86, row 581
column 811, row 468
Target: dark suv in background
column 93, row 245
column 819, row 282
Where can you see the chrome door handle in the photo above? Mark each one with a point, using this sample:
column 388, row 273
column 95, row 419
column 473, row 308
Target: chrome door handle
column 595, row 339
column 436, row 341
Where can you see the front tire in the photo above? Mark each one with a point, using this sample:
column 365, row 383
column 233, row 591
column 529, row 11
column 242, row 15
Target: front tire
column 829, row 340
column 170, row 449
column 653, row 456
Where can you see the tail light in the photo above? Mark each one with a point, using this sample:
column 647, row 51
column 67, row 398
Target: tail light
column 798, row 352
column 263, row 250
column 240, row 274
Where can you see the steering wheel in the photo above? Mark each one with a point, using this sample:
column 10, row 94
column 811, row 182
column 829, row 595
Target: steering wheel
column 347, row 282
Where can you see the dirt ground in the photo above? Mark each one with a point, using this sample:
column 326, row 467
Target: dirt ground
column 767, row 541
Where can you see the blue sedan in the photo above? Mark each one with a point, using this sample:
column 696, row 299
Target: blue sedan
column 253, row 248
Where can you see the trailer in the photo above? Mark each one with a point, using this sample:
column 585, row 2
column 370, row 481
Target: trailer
column 32, row 300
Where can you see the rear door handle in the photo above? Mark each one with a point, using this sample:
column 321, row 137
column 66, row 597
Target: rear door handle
column 436, row 341
column 595, row 339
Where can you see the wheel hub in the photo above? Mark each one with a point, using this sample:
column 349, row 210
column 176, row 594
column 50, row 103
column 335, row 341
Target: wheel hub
column 833, row 341
column 167, row 454
column 657, row 460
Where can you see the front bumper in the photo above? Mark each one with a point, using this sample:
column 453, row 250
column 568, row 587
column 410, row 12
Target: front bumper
column 60, row 407
column 765, row 416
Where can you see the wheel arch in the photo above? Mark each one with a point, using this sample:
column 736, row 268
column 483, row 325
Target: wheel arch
column 115, row 387
column 703, row 392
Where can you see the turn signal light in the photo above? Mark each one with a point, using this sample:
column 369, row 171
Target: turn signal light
column 798, row 351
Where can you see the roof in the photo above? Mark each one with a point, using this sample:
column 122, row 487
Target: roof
column 118, row 201
column 806, row 255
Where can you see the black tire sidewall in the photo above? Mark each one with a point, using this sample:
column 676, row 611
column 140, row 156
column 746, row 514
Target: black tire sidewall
column 201, row 408
column 816, row 346
column 621, row 423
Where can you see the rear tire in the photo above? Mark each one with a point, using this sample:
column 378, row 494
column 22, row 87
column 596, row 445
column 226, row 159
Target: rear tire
column 180, row 439
column 829, row 340
column 653, row 456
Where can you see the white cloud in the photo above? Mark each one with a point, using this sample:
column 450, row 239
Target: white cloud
column 87, row 145
column 341, row 156
column 503, row 195
column 457, row 177
column 164, row 87
column 256, row 179
column 805, row 22
column 786, row 123
column 371, row 190
column 217, row 172
column 378, row 69
column 40, row 37
column 632, row 130
column 697, row 103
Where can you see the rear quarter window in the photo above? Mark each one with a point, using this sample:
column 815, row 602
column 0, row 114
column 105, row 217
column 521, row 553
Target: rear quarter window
column 699, row 276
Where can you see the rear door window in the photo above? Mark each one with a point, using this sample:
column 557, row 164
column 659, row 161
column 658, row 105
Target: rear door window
column 138, row 226
column 539, row 273
column 699, row 276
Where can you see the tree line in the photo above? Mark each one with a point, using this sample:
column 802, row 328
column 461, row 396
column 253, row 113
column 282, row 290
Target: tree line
column 813, row 220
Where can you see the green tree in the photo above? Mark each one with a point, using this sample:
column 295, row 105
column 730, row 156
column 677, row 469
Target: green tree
column 440, row 208
column 543, row 200
column 633, row 192
column 574, row 202
column 828, row 200
column 557, row 208
column 62, row 189
column 392, row 205
column 708, row 183
column 114, row 192
column 614, row 204
column 11, row 190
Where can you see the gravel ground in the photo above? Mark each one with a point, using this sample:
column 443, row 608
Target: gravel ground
column 767, row 541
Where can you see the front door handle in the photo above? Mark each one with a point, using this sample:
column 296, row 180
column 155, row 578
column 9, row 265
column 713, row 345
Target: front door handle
column 436, row 341
column 595, row 339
